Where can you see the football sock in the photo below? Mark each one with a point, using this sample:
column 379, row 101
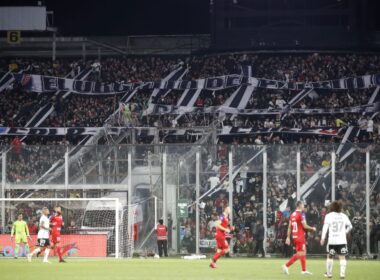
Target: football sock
column 36, row 251
column 59, row 252
column 292, row 260
column 16, row 250
column 217, row 256
column 329, row 266
column 343, row 264
column 26, row 248
column 303, row 262
column 46, row 255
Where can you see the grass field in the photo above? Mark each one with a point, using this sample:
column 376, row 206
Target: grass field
column 175, row 269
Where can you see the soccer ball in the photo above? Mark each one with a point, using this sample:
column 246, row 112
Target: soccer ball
column 156, row 256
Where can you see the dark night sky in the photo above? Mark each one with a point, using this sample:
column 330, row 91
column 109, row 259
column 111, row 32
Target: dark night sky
column 128, row 17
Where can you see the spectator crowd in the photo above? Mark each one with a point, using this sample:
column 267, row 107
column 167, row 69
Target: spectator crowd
column 27, row 161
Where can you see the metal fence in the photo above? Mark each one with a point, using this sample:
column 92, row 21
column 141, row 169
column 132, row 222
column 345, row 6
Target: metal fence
column 192, row 184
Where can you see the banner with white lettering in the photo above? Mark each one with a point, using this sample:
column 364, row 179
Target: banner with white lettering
column 150, row 131
column 159, row 109
column 38, row 83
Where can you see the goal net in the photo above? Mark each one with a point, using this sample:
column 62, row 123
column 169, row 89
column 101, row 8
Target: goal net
column 93, row 227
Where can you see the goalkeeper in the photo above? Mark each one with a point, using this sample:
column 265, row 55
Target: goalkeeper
column 20, row 229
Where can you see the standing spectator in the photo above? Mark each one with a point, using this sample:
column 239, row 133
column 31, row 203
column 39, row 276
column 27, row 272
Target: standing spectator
column 259, row 236
column 33, row 229
column 8, row 228
column 358, row 232
column 239, row 185
column 162, row 238
column 212, row 223
column 258, row 140
column 286, row 213
column 17, row 144
column 370, row 125
column 72, row 228
column 220, row 202
column 243, row 174
column 214, row 181
column 223, row 169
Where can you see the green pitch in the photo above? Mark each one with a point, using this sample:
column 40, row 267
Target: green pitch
column 175, row 269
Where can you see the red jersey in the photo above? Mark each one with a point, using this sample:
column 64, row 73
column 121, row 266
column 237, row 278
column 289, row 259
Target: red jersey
column 296, row 220
column 224, row 223
column 162, row 232
column 56, row 222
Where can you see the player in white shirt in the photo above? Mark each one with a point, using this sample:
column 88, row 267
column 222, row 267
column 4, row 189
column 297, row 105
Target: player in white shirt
column 337, row 225
column 43, row 240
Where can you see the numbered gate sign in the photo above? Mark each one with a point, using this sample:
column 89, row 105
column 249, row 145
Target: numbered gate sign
column 183, row 211
column 13, row 37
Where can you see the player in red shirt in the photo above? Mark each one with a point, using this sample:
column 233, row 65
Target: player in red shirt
column 297, row 227
column 56, row 222
column 222, row 229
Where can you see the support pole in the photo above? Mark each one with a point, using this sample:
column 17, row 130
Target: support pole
column 155, row 212
column 164, row 190
column 66, row 171
column 54, row 46
column 298, row 174
column 367, row 202
column 230, row 185
column 101, row 173
column 333, row 160
column 177, row 227
column 117, row 227
column 197, row 193
column 130, row 214
column 84, row 52
column 3, row 182
column 265, row 199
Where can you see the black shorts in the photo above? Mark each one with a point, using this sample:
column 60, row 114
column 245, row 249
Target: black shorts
column 43, row 242
column 340, row 250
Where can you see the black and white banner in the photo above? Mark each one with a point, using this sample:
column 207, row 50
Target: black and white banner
column 38, row 83
column 49, row 131
column 239, row 99
column 150, row 131
column 6, row 81
column 188, row 98
column 158, row 109
column 157, row 94
column 229, row 130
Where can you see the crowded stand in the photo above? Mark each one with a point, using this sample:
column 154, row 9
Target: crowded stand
column 308, row 67
column 28, row 162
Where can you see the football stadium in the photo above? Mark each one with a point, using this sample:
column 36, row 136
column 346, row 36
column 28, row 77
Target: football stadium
column 189, row 139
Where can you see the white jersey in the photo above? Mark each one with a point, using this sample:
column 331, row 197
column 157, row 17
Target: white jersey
column 45, row 222
column 338, row 225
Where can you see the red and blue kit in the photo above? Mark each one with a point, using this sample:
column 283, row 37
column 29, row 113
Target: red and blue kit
column 298, row 232
column 221, row 242
column 56, row 222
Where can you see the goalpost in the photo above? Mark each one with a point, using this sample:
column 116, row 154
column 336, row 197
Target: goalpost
column 94, row 227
